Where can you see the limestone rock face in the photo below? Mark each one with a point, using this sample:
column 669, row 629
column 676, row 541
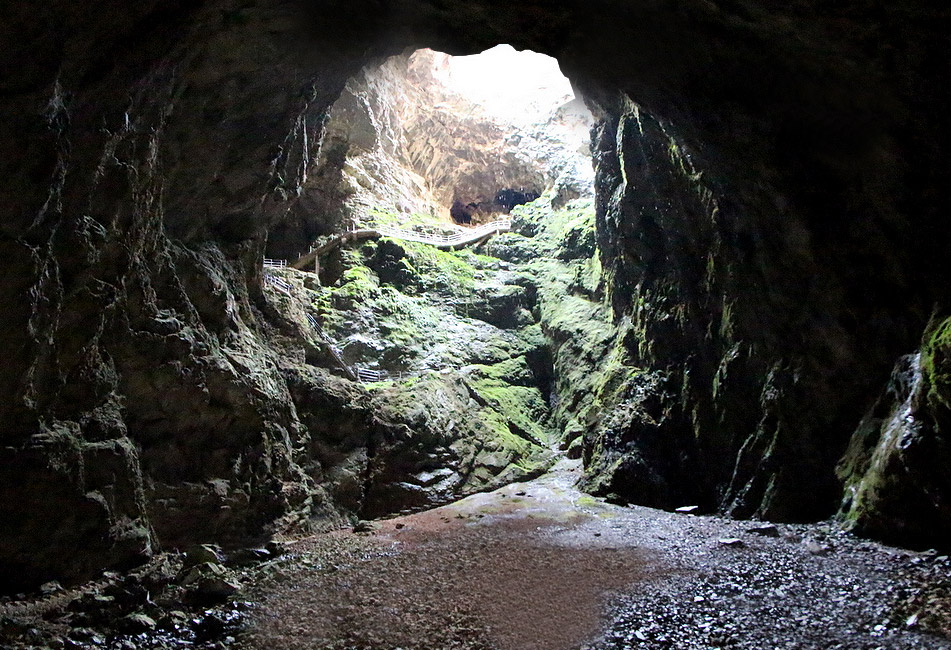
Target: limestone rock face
column 771, row 219
column 457, row 407
column 765, row 356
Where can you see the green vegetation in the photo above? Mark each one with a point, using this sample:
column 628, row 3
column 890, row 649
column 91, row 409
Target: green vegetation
column 510, row 347
column 377, row 216
column 936, row 365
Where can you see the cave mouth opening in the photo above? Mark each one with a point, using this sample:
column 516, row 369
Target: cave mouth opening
column 524, row 123
column 428, row 140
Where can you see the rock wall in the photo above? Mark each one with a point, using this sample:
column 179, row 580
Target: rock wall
column 770, row 302
column 139, row 405
column 770, row 215
column 895, row 470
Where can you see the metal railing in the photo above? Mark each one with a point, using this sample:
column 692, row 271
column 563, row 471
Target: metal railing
column 278, row 283
column 313, row 323
column 462, row 236
column 274, row 264
column 366, row 375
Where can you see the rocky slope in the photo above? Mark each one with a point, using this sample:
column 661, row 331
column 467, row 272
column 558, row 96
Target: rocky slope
column 770, row 218
column 458, row 407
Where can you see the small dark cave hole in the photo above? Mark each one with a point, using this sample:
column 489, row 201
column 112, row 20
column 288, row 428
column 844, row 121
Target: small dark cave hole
column 503, row 203
column 509, row 198
column 462, row 213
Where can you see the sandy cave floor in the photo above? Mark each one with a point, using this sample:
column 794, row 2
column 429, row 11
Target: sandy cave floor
column 542, row 566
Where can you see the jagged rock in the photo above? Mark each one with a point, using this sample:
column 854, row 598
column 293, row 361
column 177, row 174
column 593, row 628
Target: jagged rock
column 275, row 548
column 192, row 575
column 895, row 469
column 732, row 542
column 215, row 626
column 364, row 526
column 575, row 449
column 92, row 609
column 50, row 588
column 248, row 556
column 215, row 589
column 209, row 583
column 173, row 620
column 86, row 636
column 201, row 554
column 135, row 624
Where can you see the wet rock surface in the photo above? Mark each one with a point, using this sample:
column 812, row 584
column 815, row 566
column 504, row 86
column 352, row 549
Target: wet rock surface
column 401, row 144
column 168, row 603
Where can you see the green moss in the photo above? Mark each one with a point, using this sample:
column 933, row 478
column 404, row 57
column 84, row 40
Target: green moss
column 615, row 374
column 442, row 267
column 533, row 338
column 873, row 469
column 576, row 238
column 498, row 451
column 356, row 283
column 512, row 371
column 521, row 406
column 936, row 365
column 586, row 502
column 400, row 305
column 502, row 438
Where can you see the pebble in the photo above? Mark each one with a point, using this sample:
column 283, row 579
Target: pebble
column 734, row 542
column 816, row 548
column 766, row 530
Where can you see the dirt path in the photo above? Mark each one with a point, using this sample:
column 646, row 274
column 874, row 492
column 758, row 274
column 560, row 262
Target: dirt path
column 541, row 566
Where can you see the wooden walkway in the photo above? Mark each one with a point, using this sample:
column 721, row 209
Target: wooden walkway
column 462, row 237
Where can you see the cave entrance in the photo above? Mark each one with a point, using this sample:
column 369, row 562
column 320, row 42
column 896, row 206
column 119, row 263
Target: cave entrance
column 495, row 130
column 433, row 141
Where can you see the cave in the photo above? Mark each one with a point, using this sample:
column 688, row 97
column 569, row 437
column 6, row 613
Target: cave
column 424, row 135
column 462, row 213
column 509, row 198
column 742, row 334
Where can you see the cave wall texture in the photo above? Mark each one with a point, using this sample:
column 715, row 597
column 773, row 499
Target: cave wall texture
column 770, row 183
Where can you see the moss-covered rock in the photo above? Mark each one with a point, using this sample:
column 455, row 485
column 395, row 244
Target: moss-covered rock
column 466, row 405
column 445, row 435
column 896, row 467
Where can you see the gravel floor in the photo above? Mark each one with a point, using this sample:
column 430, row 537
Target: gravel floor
column 542, row 566
column 533, row 566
